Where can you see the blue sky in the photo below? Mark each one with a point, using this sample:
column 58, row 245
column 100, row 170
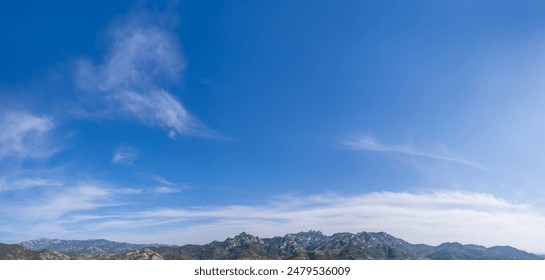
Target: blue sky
column 192, row 121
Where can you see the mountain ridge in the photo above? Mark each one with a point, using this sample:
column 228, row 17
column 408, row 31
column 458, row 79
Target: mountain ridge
column 88, row 247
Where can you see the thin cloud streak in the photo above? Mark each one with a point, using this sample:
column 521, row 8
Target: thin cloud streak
column 56, row 204
column 162, row 180
column 165, row 190
column 368, row 143
column 8, row 184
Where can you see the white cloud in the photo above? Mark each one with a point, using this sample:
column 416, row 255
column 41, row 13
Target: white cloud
column 142, row 55
column 368, row 143
column 125, row 155
column 25, row 136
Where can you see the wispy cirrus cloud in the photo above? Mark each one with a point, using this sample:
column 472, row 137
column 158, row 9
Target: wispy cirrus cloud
column 167, row 187
column 9, row 184
column 56, row 204
column 368, row 143
column 143, row 54
column 162, row 180
column 24, row 135
column 19, row 178
column 56, row 209
column 125, row 154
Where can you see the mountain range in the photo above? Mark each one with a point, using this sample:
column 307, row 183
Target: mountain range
column 311, row 245
column 91, row 247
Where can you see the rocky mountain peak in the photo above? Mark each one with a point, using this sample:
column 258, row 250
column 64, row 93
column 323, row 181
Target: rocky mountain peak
column 245, row 238
column 52, row 255
column 302, row 241
column 143, row 254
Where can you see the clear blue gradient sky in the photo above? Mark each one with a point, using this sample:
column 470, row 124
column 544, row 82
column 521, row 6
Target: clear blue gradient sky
column 191, row 121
